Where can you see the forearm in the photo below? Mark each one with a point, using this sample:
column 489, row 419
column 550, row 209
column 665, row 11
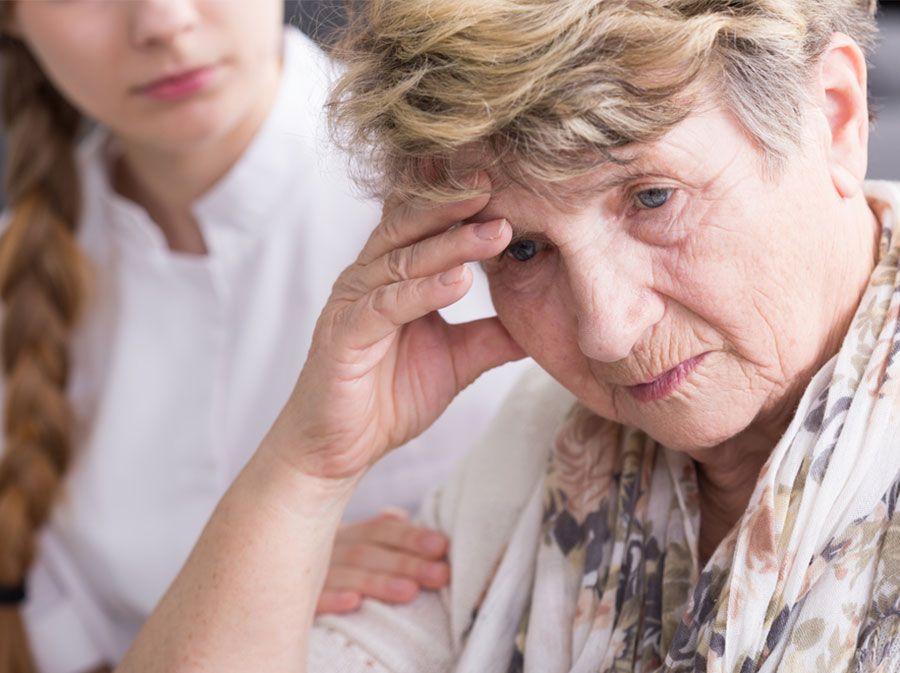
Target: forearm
column 382, row 367
column 248, row 592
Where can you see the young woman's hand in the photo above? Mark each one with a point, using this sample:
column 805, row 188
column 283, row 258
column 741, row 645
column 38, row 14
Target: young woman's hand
column 387, row 558
column 383, row 364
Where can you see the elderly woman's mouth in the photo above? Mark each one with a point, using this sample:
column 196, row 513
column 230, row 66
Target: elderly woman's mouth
column 666, row 383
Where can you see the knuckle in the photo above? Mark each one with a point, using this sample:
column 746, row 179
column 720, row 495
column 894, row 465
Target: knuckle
column 389, row 231
column 382, row 585
column 462, row 209
column 375, row 585
column 410, row 566
column 357, row 554
column 412, row 538
column 349, row 284
column 379, row 299
column 383, row 300
column 373, row 529
column 398, row 264
column 403, row 533
column 393, row 203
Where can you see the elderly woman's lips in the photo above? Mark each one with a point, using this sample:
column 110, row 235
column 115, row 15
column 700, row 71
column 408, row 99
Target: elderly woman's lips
column 667, row 383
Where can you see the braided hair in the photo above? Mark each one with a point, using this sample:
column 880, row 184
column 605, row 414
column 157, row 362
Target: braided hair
column 41, row 289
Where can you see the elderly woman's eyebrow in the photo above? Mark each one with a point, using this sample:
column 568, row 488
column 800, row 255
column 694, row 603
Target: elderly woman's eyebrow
column 642, row 166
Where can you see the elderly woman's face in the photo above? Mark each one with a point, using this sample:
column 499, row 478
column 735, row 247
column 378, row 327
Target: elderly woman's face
column 686, row 294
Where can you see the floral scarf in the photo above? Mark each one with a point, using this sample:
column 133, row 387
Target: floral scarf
column 807, row 581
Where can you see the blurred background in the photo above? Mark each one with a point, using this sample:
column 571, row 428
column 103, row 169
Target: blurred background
column 319, row 18
column 885, row 88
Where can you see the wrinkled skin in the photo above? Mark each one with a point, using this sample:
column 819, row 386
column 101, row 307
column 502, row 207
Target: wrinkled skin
column 733, row 264
column 695, row 247
column 762, row 271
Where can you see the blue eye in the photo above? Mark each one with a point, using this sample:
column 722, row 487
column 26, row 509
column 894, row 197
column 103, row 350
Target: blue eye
column 653, row 198
column 522, row 250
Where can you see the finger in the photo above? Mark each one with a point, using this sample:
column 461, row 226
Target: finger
column 468, row 243
column 384, row 587
column 385, row 561
column 338, row 602
column 393, row 512
column 386, row 309
column 398, row 535
column 404, row 222
column 481, row 345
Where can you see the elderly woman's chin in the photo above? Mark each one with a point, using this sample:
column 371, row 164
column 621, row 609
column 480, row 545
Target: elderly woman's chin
column 704, row 413
column 710, row 405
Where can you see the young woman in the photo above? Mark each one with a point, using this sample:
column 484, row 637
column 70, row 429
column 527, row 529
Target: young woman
column 160, row 288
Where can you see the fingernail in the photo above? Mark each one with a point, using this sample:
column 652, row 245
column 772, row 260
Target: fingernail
column 433, row 544
column 453, row 276
column 490, row 231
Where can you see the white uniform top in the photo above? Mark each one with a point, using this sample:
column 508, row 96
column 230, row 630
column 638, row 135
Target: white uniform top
column 181, row 363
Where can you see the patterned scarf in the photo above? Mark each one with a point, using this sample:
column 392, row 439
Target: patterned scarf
column 807, row 581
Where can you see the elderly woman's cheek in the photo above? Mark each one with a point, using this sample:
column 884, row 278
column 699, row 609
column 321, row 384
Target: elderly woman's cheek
column 515, row 281
column 520, row 293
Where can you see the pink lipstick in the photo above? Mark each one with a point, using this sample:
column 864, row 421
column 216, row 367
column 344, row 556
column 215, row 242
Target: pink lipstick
column 666, row 383
column 180, row 85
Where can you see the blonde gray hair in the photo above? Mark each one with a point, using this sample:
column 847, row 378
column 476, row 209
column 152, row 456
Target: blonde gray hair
column 546, row 90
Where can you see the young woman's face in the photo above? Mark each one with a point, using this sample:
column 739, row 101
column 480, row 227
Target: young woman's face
column 158, row 72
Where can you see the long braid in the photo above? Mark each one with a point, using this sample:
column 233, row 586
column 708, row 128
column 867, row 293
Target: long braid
column 41, row 287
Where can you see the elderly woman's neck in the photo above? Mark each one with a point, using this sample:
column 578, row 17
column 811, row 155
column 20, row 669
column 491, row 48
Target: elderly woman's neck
column 727, row 475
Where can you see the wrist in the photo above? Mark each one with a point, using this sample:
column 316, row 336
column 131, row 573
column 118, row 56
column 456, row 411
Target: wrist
column 277, row 470
column 335, row 463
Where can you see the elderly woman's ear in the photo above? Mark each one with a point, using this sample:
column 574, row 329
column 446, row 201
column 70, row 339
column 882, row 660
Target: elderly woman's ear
column 841, row 96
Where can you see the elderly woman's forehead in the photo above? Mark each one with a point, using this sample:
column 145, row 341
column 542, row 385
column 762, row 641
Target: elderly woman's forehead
column 523, row 203
column 697, row 151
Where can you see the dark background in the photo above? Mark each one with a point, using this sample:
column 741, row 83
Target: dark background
column 319, row 18
column 885, row 88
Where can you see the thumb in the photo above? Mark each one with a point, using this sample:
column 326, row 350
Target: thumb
column 481, row 345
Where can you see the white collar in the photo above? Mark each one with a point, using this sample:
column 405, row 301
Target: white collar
column 287, row 145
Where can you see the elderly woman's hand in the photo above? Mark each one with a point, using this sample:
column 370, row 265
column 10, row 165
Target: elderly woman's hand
column 386, row 557
column 382, row 367
column 383, row 363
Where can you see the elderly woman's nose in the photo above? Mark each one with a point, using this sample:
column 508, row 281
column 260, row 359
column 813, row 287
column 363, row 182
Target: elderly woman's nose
column 612, row 314
column 156, row 23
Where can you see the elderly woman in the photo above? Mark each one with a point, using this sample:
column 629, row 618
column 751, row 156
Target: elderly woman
column 668, row 199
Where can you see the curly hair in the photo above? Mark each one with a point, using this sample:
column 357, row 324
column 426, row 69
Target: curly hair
column 546, row 90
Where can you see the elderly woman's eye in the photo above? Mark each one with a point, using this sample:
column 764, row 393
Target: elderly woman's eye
column 522, row 250
column 653, row 198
